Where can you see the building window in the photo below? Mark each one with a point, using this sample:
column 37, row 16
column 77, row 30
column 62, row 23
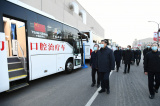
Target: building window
column 74, row 7
column 82, row 13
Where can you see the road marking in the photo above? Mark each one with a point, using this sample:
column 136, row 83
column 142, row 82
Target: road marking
column 89, row 103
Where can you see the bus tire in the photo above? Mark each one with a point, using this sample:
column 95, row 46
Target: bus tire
column 69, row 66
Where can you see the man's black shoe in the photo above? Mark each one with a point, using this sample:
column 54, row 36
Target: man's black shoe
column 108, row 92
column 92, row 85
column 151, row 96
column 98, row 85
column 156, row 91
column 101, row 91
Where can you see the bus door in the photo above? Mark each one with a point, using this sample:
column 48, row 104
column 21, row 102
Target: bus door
column 4, row 78
column 15, row 40
column 77, row 54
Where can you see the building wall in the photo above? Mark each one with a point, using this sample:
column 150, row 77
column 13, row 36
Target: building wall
column 143, row 42
column 60, row 9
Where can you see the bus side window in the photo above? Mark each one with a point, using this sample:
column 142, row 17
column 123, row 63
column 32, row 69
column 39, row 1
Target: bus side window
column 54, row 29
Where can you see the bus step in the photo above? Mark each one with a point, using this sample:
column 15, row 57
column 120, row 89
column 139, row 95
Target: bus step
column 15, row 65
column 17, row 75
column 13, row 59
column 15, row 87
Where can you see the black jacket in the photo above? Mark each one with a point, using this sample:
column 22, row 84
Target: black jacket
column 145, row 51
column 128, row 56
column 93, row 60
column 152, row 62
column 137, row 54
column 118, row 55
column 106, row 60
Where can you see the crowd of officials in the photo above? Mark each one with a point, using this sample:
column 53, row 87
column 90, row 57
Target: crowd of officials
column 103, row 60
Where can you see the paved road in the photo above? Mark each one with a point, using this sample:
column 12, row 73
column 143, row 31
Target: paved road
column 74, row 90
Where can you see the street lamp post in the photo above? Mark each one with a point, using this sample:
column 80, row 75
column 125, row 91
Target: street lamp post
column 157, row 31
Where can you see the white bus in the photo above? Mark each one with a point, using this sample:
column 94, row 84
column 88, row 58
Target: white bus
column 92, row 39
column 34, row 45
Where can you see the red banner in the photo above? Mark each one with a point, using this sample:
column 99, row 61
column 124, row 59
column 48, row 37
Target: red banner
column 39, row 27
column 155, row 36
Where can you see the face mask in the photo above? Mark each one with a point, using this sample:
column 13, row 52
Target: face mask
column 127, row 48
column 154, row 48
column 95, row 48
column 102, row 45
column 148, row 46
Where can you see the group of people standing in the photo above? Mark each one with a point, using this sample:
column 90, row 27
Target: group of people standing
column 103, row 60
column 128, row 56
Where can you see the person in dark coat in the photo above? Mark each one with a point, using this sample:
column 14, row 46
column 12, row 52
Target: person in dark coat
column 138, row 56
column 106, row 63
column 128, row 57
column 146, row 50
column 93, row 64
column 152, row 69
column 118, row 57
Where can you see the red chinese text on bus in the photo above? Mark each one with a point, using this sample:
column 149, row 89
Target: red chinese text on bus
column 2, row 47
column 34, row 46
column 45, row 47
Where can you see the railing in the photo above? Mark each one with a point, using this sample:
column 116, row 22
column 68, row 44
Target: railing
column 22, row 55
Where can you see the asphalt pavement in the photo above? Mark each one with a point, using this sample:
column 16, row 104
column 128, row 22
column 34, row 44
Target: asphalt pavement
column 74, row 90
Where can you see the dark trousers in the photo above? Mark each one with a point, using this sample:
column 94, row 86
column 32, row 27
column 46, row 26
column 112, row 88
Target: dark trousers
column 153, row 82
column 127, row 67
column 94, row 71
column 118, row 65
column 137, row 61
column 105, row 80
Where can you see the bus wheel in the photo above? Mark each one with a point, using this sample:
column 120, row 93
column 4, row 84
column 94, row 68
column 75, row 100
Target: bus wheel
column 69, row 66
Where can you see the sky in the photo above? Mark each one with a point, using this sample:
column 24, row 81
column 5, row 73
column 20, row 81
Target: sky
column 125, row 20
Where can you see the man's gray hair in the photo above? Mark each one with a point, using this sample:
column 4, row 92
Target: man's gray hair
column 96, row 45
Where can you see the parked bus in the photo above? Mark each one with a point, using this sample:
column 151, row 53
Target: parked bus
column 33, row 45
column 92, row 39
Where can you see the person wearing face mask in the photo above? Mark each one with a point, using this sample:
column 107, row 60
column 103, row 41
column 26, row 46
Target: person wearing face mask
column 118, row 57
column 137, row 56
column 152, row 69
column 93, row 64
column 128, row 57
column 106, row 63
column 146, row 50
